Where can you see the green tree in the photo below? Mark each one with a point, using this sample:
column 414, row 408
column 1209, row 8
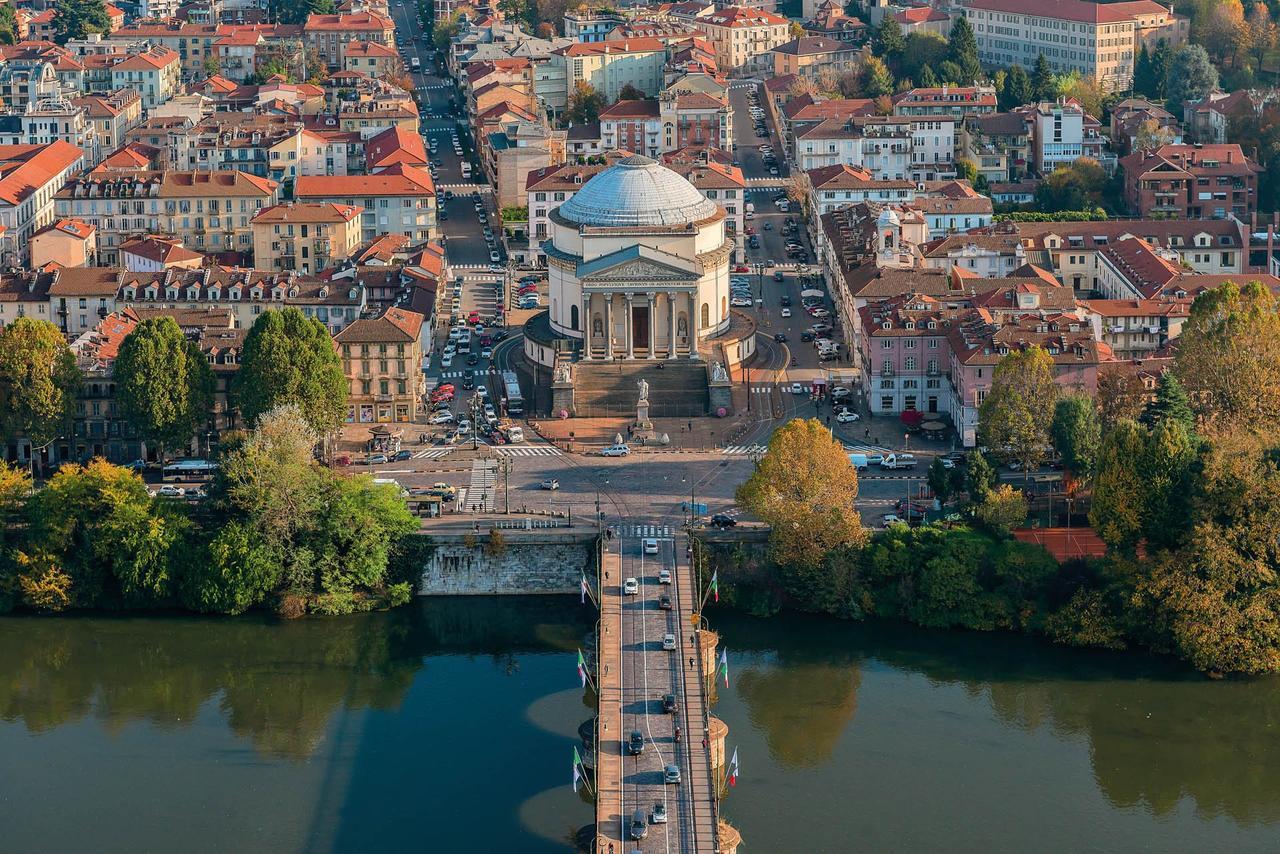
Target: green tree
column 239, row 572
column 1191, row 77
column 164, row 384
column 928, row 79
column 1161, row 62
column 8, row 25
column 630, row 93
column 38, row 382
column 1119, row 495
column 1170, row 404
column 924, row 50
column 75, row 19
column 945, row 482
column 289, row 358
column 585, row 104
column 1017, row 89
column 964, row 51
column 804, row 489
column 1044, row 86
column 877, row 82
column 212, row 66
column 1014, row 419
column 1077, row 434
column 1003, row 509
column 980, row 477
column 889, row 43
column 1228, row 357
column 1121, row 395
column 1144, row 79
column 297, row 11
column 966, row 170
column 1165, row 471
column 1078, row 186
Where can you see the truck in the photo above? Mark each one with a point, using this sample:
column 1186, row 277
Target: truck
column 899, row 461
column 513, row 434
column 859, row 461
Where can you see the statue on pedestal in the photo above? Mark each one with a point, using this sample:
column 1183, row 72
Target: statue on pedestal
column 718, row 373
column 643, row 384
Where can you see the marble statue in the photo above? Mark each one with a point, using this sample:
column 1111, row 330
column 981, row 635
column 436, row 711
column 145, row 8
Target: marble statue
column 718, row 373
column 644, row 390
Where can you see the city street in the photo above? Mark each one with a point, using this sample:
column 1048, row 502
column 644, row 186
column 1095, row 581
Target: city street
column 747, row 143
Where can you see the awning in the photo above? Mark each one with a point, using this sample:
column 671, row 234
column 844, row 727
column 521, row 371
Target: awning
column 811, row 292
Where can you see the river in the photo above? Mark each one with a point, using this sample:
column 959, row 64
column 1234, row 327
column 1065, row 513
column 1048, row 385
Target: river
column 448, row 725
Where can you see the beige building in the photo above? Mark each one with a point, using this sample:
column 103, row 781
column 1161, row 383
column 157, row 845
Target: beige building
column 304, row 237
column 1098, row 40
column 66, row 243
column 206, row 211
column 156, row 74
column 401, row 199
column 373, row 58
column 744, row 38
column 812, row 55
column 329, row 35
column 382, row 358
column 609, row 66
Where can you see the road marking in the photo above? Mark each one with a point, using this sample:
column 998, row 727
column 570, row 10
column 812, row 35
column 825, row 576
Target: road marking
column 528, row 451
column 743, row 450
column 437, row 454
column 393, row 471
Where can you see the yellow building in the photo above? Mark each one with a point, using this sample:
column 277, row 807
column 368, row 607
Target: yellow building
column 304, row 237
column 382, row 358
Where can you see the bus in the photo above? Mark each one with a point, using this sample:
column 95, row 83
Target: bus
column 512, row 400
column 190, row 470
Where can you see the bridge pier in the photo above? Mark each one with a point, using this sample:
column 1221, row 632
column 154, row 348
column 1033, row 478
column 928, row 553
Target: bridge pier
column 708, row 642
column 730, row 838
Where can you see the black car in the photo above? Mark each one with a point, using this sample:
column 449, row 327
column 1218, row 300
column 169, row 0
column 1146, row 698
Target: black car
column 473, row 360
column 669, row 704
column 779, row 337
column 401, row 456
column 635, row 744
column 807, row 336
column 785, row 301
column 723, row 520
column 664, row 602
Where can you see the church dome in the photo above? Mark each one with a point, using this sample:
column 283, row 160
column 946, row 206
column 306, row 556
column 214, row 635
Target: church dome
column 637, row 191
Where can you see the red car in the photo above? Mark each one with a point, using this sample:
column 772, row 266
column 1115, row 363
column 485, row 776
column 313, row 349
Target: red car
column 742, row 268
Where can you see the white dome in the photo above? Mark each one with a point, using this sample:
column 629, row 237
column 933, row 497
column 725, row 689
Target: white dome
column 637, row 191
column 888, row 217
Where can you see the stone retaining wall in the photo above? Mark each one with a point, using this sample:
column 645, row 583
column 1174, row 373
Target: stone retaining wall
column 551, row 565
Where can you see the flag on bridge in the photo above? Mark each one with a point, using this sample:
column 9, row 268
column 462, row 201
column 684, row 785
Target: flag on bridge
column 724, row 666
column 584, row 589
column 715, row 584
column 733, row 768
column 582, row 674
column 577, row 774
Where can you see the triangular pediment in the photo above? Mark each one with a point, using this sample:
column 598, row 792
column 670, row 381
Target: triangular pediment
column 638, row 264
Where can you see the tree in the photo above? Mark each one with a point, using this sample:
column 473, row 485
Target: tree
column 1161, row 62
column 1263, row 33
column 877, row 82
column 546, row 30
column 1074, row 187
column 1004, row 509
column 164, row 384
column 297, row 11
column 1077, row 434
column 1090, row 95
column 964, row 51
column 1223, row 31
column 804, row 489
column 1191, row 77
column 945, row 482
column 38, row 382
column 1014, row 419
column 8, row 25
column 980, row 477
column 924, row 49
column 290, row 358
column 889, row 43
column 584, row 104
column 799, row 189
column 966, row 170
column 1121, row 395
column 1043, row 85
column 630, row 93
column 75, row 19
column 1152, row 134
column 796, row 30
column 1165, row 468
column 928, row 79
column 1118, row 491
column 1144, row 80
column 1017, row 88
column 1170, row 404
column 1229, row 356
column 212, row 67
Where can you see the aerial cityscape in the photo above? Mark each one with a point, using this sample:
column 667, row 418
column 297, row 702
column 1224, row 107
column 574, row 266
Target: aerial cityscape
column 548, row 426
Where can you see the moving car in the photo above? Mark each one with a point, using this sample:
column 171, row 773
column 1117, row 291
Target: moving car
column 671, row 774
column 171, row 491
column 723, row 520
column 846, row 417
column 615, row 451
column 669, row 642
column 899, row 461
column 551, row 483
column 635, row 744
column 786, row 312
column 779, row 337
column 669, row 704
column 664, row 602
column 630, row 587
column 639, row 825
column 659, row 815
column 651, row 548
column 664, row 575
column 375, row 459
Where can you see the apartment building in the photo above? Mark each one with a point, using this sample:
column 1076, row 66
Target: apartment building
column 65, row 243
column 514, row 149
column 112, row 116
column 304, row 237
column 611, row 65
column 401, row 199
column 905, row 351
column 329, row 35
column 1136, row 328
column 890, row 147
column 1191, row 182
column 1098, row 40
column 842, row 185
column 956, row 102
column 743, row 38
column 155, row 74
column 382, row 359
column 373, row 58
column 810, row 56
column 206, row 211
column 30, row 176
column 998, row 144
column 673, row 121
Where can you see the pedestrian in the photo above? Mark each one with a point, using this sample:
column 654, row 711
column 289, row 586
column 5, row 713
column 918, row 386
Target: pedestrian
column 704, row 742
column 690, row 662
column 690, row 426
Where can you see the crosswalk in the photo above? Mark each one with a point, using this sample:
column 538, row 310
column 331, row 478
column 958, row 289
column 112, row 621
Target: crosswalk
column 786, row 388
column 859, row 448
column 433, row 454
column 644, row 531
column 482, row 491
column 743, row 450
column 528, row 451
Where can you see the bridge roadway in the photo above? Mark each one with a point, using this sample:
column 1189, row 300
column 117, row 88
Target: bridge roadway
column 634, row 674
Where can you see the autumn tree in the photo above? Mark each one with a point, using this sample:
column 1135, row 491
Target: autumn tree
column 1228, row 358
column 585, row 104
column 1121, row 394
column 1152, row 134
column 1014, row 419
column 1004, row 509
column 876, row 79
column 164, row 384
column 38, row 382
column 804, row 489
column 1075, row 187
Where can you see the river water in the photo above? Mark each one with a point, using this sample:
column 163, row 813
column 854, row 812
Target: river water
column 448, row 726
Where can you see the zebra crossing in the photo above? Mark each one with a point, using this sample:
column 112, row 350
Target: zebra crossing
column 483, row 488
column 648, row 532
column 433, row 454
column 783, row 387
column 743, row 450
column 528, row 451
column 859, row 448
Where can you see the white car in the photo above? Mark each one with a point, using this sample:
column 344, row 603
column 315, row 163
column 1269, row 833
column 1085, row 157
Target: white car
column 651, row 547
column 171, row 491
column 796, row 388
column 631, row 587
column 786, row 312
column 445, row 417
column 892, row 519
column 846, row 417
column 615, row 451
column 464, row 426
column 664, row 576
column 446, row 361
column 669, row 642
column 740, row 302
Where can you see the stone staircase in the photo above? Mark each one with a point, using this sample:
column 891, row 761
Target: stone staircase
column 608, row 389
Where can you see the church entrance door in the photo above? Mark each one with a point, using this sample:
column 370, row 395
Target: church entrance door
column 640, row 327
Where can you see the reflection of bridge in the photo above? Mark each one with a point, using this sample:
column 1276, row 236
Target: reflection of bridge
column 635, row 673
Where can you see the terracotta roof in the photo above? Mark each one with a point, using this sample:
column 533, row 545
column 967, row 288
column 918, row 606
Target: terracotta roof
column 1138, row 308
column 394, row 326
column 26, row 168
column 171, row 184
column 812, row 108
column 318, row 212
column 842, row 176
column 1138, row 263
column 359, row 47
column 1230, row 159
column 921, row 15
column 74, row 228
column 630, row 110
column 397, row 180
column 159, row 250
column 395, row 145
column 1074, row 10
column 85, row 282
column 155, row 58
column 738, row 16
column 1095, row 235
column 607, row 48
column 349, row 22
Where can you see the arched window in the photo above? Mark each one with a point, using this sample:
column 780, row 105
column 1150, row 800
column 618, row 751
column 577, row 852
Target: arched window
column 573, row 317
column 706, row 315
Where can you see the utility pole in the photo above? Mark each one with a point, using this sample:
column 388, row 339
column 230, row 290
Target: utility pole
column 506, row 491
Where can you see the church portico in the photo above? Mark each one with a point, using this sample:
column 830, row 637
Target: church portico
column 642, row 324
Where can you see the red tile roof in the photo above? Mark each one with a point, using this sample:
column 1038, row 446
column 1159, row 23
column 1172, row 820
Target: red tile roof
column 396, row 180
column 26, row 168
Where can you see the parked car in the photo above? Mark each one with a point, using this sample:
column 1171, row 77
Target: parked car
column 551, row 483
column 402, row 455
column 171, row 491
column 375, row 459
column 615, row 451
column 723, row 520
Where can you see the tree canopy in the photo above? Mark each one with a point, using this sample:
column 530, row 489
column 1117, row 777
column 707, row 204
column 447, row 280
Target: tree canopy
column 1014, row 419
column 164, row 384
column 289, row 358
column 38, row 381
column 75, row 19
column 1191, row 76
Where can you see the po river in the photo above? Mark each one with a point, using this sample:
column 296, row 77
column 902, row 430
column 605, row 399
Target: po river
column 448, row 726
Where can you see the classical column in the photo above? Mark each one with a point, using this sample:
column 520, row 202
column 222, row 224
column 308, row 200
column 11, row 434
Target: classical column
column 631, row 338
column 694, row 320
column 653, row 323
column 608, row 326
column 671, row 310
column 585, row 321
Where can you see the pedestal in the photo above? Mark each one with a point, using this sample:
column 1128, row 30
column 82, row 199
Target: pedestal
column 720, row 394
column 642, row 429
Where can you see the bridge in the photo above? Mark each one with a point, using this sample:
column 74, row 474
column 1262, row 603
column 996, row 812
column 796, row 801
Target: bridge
column 634, row 674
